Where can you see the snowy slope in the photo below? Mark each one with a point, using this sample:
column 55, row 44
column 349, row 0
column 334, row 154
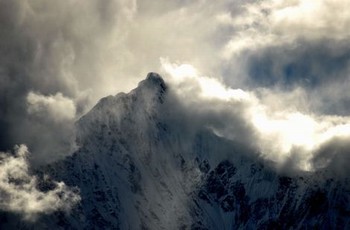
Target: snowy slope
column 139, row 166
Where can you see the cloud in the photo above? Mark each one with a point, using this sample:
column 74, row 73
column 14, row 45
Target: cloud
column 285, row 135
column 19, row 189
column 50, row 121
column 276, row 22
column 276, row 62
column 58, row 59
column 290, row 46
column 211, row 102
column 84, row 50
column 283, row 40
column 57, row 107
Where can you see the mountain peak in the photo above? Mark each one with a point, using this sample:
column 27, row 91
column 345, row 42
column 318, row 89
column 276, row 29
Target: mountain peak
column 154, row 81
column 154, row 77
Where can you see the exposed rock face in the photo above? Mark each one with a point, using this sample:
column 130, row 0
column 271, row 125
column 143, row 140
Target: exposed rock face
column 138, row 169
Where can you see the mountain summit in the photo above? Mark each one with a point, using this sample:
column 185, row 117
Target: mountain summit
column 138, row 168
column 153, row 80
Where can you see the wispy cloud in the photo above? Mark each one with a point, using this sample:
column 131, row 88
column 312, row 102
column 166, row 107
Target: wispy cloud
column 19, row 189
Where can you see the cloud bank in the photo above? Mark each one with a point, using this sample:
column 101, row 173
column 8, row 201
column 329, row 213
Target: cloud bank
column 19, row 189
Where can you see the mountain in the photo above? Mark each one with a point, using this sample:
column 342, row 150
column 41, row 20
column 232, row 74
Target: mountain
column 143, row 163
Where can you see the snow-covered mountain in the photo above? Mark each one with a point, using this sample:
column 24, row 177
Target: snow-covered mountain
column 144, row 165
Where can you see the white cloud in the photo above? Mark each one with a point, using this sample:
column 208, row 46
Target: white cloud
column 276, row 22
column 186, row 78
column 279, row 131
column 284, row 133
column 57, row 107
column 19, row 192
